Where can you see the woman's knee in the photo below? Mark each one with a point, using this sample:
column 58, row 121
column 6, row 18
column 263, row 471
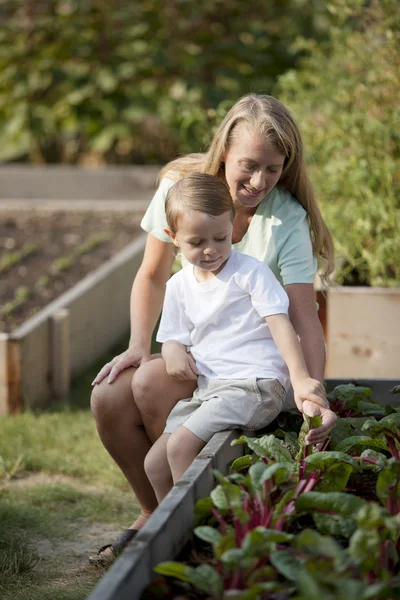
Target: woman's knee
column 112, row 401
column 155, row 392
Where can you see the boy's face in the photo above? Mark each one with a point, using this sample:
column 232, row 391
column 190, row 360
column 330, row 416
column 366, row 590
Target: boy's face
column 205, row 241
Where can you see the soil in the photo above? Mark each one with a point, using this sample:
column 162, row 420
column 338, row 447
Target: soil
column 83, row 240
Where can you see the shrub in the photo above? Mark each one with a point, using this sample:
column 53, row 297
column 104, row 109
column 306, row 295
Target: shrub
column 346, row 98
column 136, row 81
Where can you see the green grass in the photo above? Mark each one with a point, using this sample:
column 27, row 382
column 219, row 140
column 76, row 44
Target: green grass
column 58, row 487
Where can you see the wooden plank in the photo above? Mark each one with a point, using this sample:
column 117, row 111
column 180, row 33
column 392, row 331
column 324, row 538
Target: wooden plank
column 65, row 182
column 363, row 333
column 14, row 377
column 60, row 352
column 4, row 393
column 35, row 366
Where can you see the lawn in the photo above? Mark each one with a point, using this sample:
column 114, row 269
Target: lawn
column 61, row 498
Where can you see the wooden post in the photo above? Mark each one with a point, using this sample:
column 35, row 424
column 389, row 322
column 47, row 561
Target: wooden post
column 59, row 352
column 3, row 374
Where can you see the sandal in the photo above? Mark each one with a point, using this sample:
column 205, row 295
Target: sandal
column 108, row 553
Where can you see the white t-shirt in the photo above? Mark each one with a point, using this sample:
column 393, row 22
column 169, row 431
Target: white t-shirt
column 222, row 320
column 278, row 234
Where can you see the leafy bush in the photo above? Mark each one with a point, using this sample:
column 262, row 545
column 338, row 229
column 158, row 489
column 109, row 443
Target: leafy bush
column 136, row 81
column 346, row 98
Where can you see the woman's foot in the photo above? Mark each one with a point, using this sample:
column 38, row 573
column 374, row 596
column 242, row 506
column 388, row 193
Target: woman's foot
column 107, row 554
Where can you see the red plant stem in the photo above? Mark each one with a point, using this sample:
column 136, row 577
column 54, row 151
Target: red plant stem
column 392, row 446
column 238, row 532
column 373, row 461
column 222, row 523
column 235, row 581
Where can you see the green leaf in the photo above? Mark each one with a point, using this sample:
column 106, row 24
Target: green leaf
column 208, row 534
column 310, row 541
column 335, row 525
column 206, row 579
column 310, row 588
column 280, row 471
column 267, row 446
column 361, row 441
column 388, row 486
column 308, row 424
column 287, row 564
column 332, row 502
column 261, row 541
column 323, row 460
column 335, row 478
column 346, row 428
column 391, row 424
column 175, row 569
column 242, row 463
column 227, row 495
column 203, row 510
column 395, row 390
column 226, row 543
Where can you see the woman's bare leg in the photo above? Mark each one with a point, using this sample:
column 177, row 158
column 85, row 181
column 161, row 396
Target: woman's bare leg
column 130, row 415
column 156, row 395
column 121, row 431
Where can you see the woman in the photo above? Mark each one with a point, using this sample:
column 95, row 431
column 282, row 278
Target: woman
column 258, row 151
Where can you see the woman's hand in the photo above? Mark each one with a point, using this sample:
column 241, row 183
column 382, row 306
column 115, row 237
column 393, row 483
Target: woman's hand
column 134, row 356
column 318, row 435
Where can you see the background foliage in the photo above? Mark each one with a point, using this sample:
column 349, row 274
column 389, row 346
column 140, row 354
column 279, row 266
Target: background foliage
column 142, row 82
column 345, row 95
column 136, row 81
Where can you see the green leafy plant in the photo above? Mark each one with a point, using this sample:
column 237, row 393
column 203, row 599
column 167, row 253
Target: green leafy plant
column 109, row 79
column 345, row 97
column 252, row 517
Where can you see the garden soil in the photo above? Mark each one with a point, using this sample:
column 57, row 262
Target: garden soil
column 44, row 253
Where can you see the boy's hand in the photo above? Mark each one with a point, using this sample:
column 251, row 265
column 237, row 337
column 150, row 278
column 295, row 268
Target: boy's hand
column 182, row 366
column 318, row 435
column 310, row 389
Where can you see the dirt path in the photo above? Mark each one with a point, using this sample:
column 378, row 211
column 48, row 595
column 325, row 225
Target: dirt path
column 62, row 562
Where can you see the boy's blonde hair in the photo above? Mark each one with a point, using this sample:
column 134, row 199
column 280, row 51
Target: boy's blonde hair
column 266, row 116
column 201, row 192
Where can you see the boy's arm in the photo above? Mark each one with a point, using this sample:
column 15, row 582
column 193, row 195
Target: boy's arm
column 304, row 387
column 179, row 364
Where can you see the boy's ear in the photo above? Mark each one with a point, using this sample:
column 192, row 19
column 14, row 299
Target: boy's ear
column 172, row 236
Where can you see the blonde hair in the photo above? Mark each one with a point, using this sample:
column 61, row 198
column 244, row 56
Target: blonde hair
column 200, row 192
column 270, row 118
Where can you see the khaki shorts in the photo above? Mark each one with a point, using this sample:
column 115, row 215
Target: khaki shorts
column 219, row 404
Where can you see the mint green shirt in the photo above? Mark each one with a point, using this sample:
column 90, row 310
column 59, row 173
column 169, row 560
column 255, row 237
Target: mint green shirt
column 278, row 234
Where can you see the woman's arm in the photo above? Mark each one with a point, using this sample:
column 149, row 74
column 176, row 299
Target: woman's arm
column 304, row 318
column 146, row 302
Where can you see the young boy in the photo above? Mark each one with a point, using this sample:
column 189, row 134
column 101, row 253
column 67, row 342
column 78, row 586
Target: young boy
column 224, row 323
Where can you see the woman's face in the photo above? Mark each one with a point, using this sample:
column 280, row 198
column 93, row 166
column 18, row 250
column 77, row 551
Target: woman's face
column 253, row 167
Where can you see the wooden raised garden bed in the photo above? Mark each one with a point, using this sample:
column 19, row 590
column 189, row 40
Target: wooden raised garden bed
column 70, row 247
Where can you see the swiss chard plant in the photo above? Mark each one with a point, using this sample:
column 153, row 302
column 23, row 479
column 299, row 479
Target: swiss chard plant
column 283, row 524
